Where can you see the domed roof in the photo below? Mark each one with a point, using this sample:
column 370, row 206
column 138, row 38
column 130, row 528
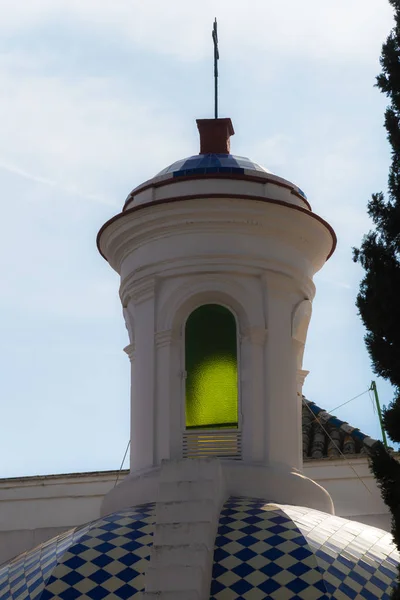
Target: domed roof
column 261, row 551
column 212, row 163
column 221, row 165
column 105, row 559
column 284, row 552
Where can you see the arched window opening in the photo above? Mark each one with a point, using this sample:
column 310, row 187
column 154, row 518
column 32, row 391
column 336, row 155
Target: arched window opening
column 211, row 369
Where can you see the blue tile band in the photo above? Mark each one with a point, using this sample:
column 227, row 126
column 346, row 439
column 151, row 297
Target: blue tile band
column 212, row 163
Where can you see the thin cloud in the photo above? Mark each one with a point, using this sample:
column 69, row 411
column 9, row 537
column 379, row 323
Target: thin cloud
column 48, row 182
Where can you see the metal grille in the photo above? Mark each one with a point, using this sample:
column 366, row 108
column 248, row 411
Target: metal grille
column 221, row 443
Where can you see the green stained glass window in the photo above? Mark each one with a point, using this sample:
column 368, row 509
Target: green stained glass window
column 211, row 368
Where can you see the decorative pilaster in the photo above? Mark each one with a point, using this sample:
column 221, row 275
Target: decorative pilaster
column 163, row 338
column 251, row 373
column 282, row 419
column 255, row 335
column 142, row 301
column 137, row 290
column 167, row 426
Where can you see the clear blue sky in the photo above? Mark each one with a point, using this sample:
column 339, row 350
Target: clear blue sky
column 97, row 96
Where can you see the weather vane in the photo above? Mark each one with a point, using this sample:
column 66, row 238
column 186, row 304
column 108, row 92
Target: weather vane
column 216, row 57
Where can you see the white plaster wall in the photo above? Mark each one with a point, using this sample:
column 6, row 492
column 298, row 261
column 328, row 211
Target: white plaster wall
column 353, row 490
column 33, row 509
column 208, row 185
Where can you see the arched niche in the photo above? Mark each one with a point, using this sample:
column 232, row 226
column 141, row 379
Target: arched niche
column 211, row 368
column 182, row 299
column 243, row 297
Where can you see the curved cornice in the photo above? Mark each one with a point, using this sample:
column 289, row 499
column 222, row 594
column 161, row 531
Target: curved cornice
column 134, row 209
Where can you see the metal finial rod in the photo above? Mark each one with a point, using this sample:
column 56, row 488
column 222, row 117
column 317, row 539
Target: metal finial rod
column 216, row 58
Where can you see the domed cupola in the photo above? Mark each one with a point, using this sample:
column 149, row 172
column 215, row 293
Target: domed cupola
column 215, row 162
column 217, row 257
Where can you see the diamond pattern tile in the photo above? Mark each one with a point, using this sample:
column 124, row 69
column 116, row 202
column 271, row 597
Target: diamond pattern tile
column 260, row 553
column 105, row 559
column 276, row 551
column 359, row 561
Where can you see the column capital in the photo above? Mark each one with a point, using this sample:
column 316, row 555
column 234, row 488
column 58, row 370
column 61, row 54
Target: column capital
column 301, row 377
column 164, row 338
column 274, row 280
column 277, row 282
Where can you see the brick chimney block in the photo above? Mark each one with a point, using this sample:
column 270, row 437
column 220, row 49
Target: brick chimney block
column 215, row 135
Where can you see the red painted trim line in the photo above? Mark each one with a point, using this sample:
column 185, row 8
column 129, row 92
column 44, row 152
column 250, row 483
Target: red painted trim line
column 157, row 184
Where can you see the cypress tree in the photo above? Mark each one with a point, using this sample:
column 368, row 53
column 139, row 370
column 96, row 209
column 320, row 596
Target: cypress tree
column 378, row 300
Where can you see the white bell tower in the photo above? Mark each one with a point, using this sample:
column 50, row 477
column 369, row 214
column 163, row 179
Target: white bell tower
column 217, row 257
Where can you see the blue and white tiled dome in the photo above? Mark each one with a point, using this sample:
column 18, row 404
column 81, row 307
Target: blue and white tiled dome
column 289, row 552
column 104, row 559
column 212, row 163
column 261, row 551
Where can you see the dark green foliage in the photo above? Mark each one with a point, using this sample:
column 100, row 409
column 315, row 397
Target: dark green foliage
column 386, row 470
column 391, row 419
column 378, row 300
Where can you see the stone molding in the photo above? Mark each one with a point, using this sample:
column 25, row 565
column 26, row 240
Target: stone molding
column 301, row 230
column 130, row 351
column 165, row 338
column 137, row 291
column 199, row 289
column 301, row 377
column 240, row 264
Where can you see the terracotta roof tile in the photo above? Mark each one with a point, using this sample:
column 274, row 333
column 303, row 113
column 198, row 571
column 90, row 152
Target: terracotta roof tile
column 326, row 436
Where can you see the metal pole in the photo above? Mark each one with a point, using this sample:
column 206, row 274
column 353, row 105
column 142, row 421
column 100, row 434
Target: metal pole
column 216, row 58
column 216, row 96
column 378, row 407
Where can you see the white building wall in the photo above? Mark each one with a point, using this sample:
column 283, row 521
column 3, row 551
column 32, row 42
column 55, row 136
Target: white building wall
column 33, row 509
column 353, row 489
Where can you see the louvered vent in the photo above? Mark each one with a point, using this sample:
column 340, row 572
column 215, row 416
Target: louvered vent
column 220, row 443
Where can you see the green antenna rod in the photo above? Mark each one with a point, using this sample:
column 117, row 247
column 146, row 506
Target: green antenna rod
column 378, row 407
column 216, row 58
